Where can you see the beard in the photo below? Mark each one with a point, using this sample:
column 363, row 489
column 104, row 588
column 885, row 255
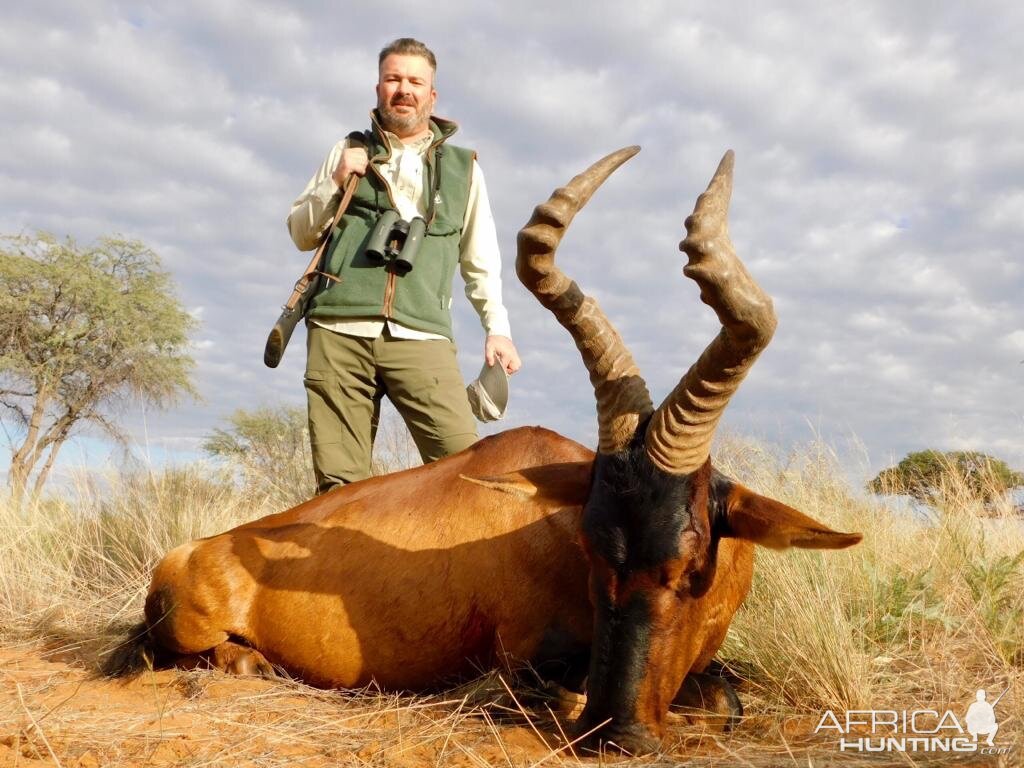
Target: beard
column 398, row 122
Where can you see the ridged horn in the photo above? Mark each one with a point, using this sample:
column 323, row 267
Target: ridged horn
column 622, row 397
column 679, row 436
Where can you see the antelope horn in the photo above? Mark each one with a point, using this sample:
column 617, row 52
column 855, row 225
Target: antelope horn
column 622, row 397
column 680, row 432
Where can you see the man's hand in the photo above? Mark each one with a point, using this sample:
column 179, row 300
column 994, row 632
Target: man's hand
column 353, row 160
column 502, row 350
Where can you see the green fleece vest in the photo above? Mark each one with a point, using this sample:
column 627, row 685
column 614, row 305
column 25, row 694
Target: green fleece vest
column 421, row 298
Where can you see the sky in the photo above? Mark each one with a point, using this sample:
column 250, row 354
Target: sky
column 879, row 189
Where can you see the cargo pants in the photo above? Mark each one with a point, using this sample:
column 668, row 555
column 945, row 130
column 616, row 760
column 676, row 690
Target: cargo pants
column 346, row 377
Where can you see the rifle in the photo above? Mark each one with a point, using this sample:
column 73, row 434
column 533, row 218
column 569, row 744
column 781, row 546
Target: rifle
column 1000, row 697
column 304, row 290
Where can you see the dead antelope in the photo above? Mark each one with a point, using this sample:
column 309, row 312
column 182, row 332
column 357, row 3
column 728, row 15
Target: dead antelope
column 623, row 568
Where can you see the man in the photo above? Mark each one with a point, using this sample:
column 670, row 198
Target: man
column 378, row 328
column 981, row 718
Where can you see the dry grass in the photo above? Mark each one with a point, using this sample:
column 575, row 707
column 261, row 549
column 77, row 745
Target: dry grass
column 920, row 615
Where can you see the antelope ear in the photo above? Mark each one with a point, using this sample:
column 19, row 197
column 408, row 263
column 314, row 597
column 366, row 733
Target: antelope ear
column 567, row 483
column 772, row 524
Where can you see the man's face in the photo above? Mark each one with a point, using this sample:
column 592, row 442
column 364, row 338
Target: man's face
column 405, row 94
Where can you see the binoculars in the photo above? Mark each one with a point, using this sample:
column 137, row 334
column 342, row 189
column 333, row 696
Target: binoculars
column 395, row 240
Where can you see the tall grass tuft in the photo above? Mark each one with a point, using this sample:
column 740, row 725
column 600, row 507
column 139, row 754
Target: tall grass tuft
column 923, row 612
column 74, row 569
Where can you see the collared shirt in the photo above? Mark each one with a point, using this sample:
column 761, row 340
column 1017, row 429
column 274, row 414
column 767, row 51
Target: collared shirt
column 479, row 258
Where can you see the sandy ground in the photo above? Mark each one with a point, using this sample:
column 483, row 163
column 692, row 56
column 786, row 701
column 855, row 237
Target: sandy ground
column 52, row 713
column 55, row 713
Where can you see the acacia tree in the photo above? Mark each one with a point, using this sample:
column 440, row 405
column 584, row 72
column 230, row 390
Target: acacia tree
column 270, row 446
column 920, row 474
column 81, row 329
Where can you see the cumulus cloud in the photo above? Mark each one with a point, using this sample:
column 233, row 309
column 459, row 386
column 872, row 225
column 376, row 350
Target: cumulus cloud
column 880, row 154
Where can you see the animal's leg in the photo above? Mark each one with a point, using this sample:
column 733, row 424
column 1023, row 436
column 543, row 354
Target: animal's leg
column 702, row 694
column 237, row 659
column 193, row 612
column 568, row 669
column 567, row 705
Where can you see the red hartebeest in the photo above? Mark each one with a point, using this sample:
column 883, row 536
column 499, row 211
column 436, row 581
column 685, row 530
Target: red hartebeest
column 625, row 566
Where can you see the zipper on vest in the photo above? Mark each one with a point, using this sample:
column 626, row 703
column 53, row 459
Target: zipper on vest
column 435, row 148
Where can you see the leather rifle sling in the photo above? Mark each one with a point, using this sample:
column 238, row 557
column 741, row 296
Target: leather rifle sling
column 313, row 268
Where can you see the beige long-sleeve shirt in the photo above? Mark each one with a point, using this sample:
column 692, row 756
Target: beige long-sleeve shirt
column 479, row 259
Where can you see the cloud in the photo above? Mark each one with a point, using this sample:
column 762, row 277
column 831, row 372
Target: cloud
column 878, row 185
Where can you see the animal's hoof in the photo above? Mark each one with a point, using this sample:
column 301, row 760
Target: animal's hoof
column 566, row 704
column 709, row 699
column 238, row 659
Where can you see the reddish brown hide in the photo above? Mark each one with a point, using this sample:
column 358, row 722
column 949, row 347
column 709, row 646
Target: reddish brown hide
column 408, row 580
column 412, row 579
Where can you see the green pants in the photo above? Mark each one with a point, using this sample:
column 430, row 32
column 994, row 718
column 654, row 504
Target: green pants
column 346, row 377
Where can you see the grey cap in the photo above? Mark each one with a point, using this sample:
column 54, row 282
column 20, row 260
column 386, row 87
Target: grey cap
column 488, row 395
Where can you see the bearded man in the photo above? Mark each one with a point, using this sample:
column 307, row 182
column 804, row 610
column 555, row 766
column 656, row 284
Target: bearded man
column 381, row 324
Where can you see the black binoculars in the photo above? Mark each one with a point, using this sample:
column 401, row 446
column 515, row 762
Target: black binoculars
column 395, row 240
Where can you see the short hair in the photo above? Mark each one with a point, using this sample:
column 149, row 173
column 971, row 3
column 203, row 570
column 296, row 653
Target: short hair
column 407, row 46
